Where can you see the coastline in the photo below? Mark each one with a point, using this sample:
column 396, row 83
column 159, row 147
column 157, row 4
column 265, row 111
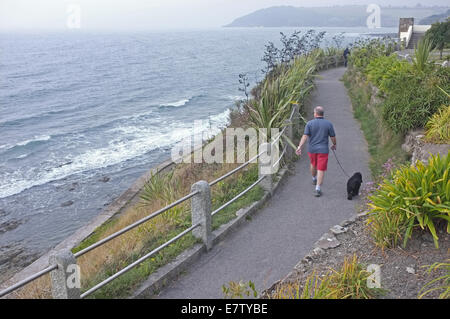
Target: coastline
column 127, row 199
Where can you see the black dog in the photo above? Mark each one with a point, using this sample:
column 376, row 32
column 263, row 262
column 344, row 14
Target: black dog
column 353, row 185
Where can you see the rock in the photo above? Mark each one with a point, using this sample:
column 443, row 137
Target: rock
column 105, row 179
column 65, row 164
column 9, row 225
column 421, row 150
column 427, row 238
column 327, row 241
column 353, row 219
column 363, row 214
column 338, row 229
column 346, row 223
column 68, row 203
column 318, row 251
column 410, row 270
column 3, row 212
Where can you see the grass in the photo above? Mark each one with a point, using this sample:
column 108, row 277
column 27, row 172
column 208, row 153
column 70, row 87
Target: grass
column 383, row 144
column 348, row 282
column 438, row 127
column 441, row 283
column 221, row 193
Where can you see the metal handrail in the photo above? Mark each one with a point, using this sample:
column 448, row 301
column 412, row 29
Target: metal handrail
column 27, row 280
column 143, row 220
column 137, row 262
column 237, row 169
column 281, row 156
column 238, row 196
column 292, row 114
column 134, row 225
column 279, row 136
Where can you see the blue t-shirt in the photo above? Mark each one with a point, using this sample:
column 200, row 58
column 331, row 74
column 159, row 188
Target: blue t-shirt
column 319, row 130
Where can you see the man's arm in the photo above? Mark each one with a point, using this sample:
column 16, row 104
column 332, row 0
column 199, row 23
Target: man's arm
column 333, row 139
column 332, row 135
column 300, row 145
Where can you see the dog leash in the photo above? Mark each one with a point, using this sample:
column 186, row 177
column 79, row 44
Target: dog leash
column 340, row 164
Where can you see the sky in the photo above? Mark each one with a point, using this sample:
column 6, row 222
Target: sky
column 148, row 14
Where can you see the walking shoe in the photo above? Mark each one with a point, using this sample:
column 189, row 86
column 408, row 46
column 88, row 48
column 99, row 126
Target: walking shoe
column 317, row 193
column 314, row 182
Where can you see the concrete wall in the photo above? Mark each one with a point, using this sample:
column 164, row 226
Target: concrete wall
column 404, row 24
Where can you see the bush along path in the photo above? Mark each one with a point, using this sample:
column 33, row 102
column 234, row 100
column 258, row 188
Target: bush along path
column 417, row 268
column 267, row 246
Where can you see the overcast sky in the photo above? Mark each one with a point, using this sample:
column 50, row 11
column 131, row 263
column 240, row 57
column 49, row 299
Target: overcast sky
column 150, row 14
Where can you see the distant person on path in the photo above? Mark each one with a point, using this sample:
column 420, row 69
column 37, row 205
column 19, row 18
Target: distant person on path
column 346, row 54
column 317, row 133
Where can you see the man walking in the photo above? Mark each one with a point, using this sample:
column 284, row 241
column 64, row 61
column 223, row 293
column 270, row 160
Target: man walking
column 317, row 132
column 346, row 54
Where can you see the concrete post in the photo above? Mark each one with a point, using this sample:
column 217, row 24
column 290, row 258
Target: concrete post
column 66, row 278
column 265, row 167
column 201, row 212
column 290, row 135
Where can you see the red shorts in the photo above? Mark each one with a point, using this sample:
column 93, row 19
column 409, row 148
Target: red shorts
column 319, row 161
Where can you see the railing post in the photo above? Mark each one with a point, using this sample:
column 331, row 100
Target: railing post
column 290, row 135
column 201, row 212
column 66, row 278
column 265, row 167
column 336, row 58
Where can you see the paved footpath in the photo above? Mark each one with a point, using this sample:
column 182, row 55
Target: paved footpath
column 266, row 248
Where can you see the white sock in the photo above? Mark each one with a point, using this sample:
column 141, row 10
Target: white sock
column 314, row 178
column 317, row 187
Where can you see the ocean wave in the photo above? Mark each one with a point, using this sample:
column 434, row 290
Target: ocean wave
column 22, row 156
column 236, row 97
column 132, row 143
column 36, row 139
column 41, row 138
column 176, row 104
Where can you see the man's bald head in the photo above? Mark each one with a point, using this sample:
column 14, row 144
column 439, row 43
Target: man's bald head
column 319, row 111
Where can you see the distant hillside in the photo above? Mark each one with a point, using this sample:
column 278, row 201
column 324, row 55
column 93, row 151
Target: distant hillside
column 337, row 16
column 435, row 18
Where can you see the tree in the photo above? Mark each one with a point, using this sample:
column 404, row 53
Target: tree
column 439, row 34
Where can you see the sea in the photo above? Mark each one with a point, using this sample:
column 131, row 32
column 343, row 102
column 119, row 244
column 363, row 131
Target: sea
column 84, row 114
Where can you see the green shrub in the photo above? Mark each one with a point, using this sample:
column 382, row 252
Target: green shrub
column 439, row 35
column 162, row 187
column 411, row 90
column 412, row 97
column 444, row 281
column 287, row 85
column 416, row 196
column 365, row 51
column 422, row 54
column 438, row 127
column 378, row 68
column 348, row 282
column 239, row 289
